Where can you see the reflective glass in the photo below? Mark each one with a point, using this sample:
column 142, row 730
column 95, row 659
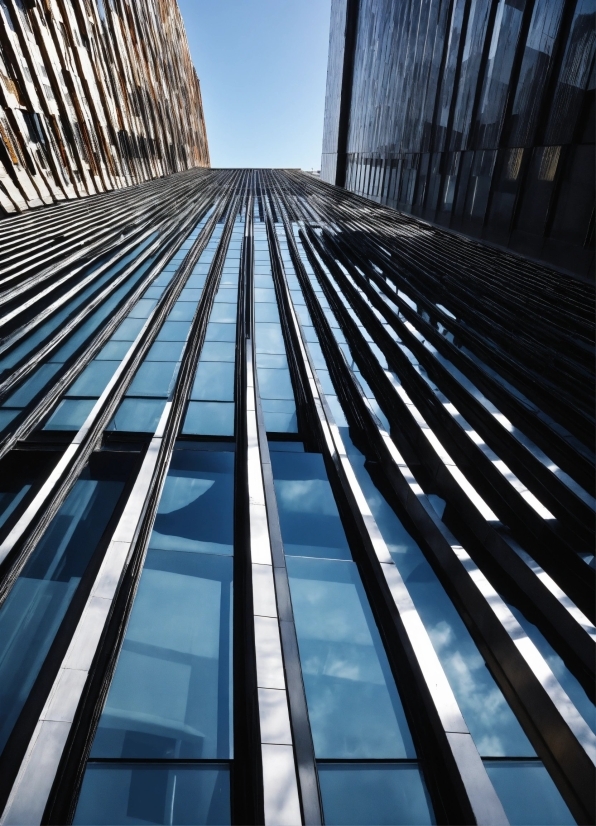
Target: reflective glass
column 196, row 510
column 142, row 308
column 165, row 351
column 492, row 724
column 214, row 381
column 6, row 417
column 179, row 795
column 354, row 708
column 171, row 693
column 209, row 419
column 183, row 311
column 223, row 313
column 113, row 351
column 154, row 378
column 528, row 794
column 218, row 351
column 309, row 518
column 30, row 388
column 217, row 331
column 36, row 605
column 269, row 338
column 266, row 312
column 275, row 384
column 70, row 414
column 94, row 379
column 129, row 329
column 280, row 416
column 174, row 331
column 379, row 794
column 137, row 415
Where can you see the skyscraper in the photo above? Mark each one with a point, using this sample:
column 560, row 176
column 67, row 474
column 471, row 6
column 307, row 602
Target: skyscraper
column 94, row 96
column 478, row 116
column 296, row 499
column 295, row 515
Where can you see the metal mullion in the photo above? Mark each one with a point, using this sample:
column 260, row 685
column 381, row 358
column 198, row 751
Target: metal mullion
column 35, row 415
column 140, row 214
column 40, row 782
column 498, row 635
column 39, row 513
column 143, row 255
column 473, row 797
column 571, row 575
column 302, row 736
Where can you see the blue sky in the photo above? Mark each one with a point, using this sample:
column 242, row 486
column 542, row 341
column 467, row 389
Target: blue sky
column 262, row 66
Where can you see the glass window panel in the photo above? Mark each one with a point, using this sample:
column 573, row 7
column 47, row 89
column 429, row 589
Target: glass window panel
column 309, row 518
column 225, row 313
column 218, row 351
column 6, row 417
column 94, row 378
column 280, row 416
column 227, row 295
column 183, row 311
column 528, row 794
column 154, row 292
column 353, row 705
column 137, row 415
column 379, row 794
column 154, row 378
column 32, row 613
column 221, row 332
column 263, row 279
column 209, row 419
column 174, row 331
column 274, row 360
column 32, row 386
column 118, row 795
column 171, row 693
column 129, row 329
column 165, row 351
column 196, row 507
column 269, row 338
column 264, row 295
column 492, row 724
column 70, row 414
column 196, row 281
column 113, row 351
column 142, row 308
column 275, row 384
column 267, row 313
column 190, row 295
column 214, row 381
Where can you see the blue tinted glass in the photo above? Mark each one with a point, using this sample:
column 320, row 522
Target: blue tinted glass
column 492, row 724
column 196, row 510
column 154, row 378
column 275, row 361
column 129, row 329
column 280, row 416
column 275, row 384
column 113, row 351
column 137, row 415
column 220, row 332
column 269, row 338
column 353, row 705
column 94, row 378
column 528, row 794
column 379, row 794
column 171, row 693
column 218, row 351
column 209, row 419
column 223, row 313
column 174, row 331
column 165, row 351
column 30, row 388
column 310, row 523
column 214, row 381
column 183, row 311
column 6, row 417
column 266, row 312
column 9, row 501
column 265, row 295
column 32, row 613
column 142, row 308
column 180, row 795
column 70, row 414
column 190, row 295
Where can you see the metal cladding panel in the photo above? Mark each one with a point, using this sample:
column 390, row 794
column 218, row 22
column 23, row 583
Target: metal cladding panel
column 94, row 96
column 477, row 116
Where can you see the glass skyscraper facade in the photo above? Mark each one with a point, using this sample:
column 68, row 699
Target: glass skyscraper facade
column 296, row 515
column 477, row 115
